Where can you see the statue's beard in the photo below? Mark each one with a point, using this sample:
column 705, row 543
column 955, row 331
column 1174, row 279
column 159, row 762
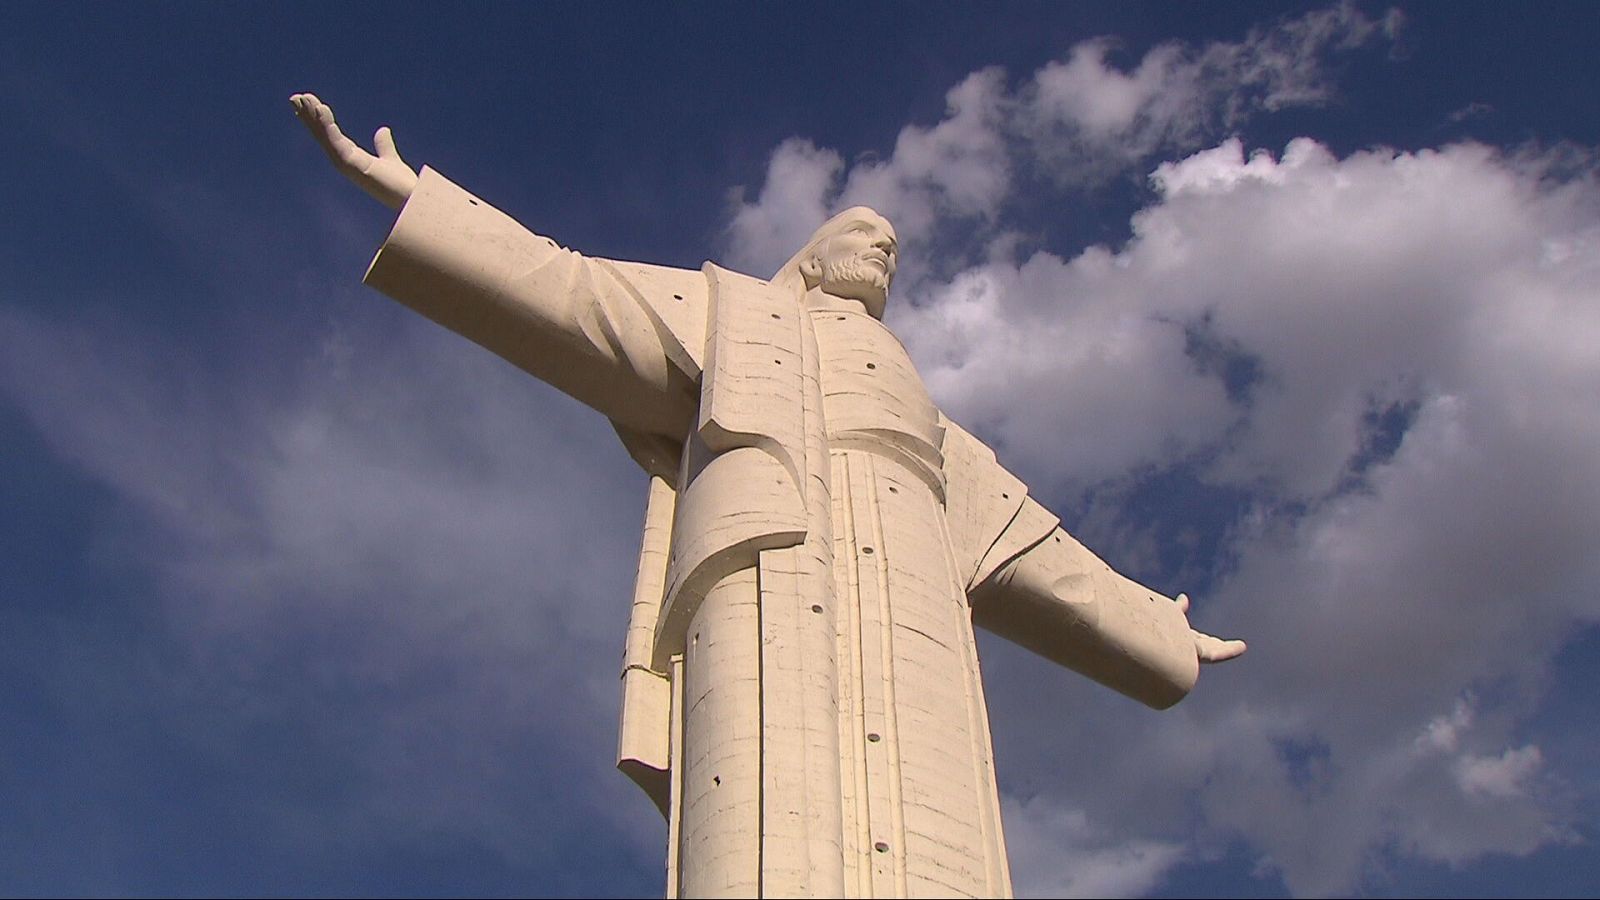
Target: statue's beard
column 854, row 279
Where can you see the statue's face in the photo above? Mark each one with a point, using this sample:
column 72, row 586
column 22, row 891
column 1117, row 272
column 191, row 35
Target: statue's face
column 858, row 262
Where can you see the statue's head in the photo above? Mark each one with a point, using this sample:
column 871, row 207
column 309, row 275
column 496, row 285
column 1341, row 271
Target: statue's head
column 853, row 255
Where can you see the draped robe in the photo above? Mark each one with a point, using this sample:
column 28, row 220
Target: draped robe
column 801, row 689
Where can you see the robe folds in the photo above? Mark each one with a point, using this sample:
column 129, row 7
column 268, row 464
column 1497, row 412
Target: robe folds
column 801, row 689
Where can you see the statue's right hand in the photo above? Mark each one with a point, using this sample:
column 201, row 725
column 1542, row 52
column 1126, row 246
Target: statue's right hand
column 385, row 176
column 1209, row 648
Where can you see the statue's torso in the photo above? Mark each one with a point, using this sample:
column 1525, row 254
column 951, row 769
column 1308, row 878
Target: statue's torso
column 919, row 807
column 872, row 397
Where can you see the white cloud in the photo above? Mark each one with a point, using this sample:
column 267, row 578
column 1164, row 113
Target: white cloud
column 1418, row 438
column 1389, row 355
column 1056, row 852
column 765, row 231
column 1081, row 119
column 1050, row 329
column 1443, row 733
column 957, row 168
column 1222, row 168
column 1502, row 777
column 377, row 490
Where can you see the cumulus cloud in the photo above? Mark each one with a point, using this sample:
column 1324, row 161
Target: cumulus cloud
column 957, row 168
column 1078, row 120
column 360, row 576
column 1379, row 365
column 1414, row 425
column 1056, row 852
column 1086, row 118
column 1502, row 777
column 764, row 232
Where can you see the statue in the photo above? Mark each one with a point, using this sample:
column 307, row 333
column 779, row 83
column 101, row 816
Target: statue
column 801, row 695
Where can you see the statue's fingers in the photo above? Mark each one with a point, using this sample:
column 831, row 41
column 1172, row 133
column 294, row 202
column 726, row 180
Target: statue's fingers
column 383, row 142
column 324, row 114
column 1213, row 649
column 305, row 109
column 318, row 119
column 343, row 150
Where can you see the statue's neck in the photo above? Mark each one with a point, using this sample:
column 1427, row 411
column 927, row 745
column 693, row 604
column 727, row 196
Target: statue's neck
column 818, row 299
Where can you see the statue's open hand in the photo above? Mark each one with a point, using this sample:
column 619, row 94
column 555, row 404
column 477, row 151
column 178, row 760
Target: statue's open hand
column 385, row 176
column 1210, row 649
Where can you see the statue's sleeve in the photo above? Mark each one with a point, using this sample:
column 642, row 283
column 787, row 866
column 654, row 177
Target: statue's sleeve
column 1035, row 585
column 623, row 338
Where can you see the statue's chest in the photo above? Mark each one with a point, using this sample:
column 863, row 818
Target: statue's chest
column 870, row 391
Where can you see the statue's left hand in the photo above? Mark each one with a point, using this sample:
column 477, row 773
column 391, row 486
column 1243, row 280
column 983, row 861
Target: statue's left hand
column 385, row 176
column 1210, row 649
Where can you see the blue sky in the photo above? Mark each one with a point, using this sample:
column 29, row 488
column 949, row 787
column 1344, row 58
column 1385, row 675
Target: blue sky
column 1294, row 308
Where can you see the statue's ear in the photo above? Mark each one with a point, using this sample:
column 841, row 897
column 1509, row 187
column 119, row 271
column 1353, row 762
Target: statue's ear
column 811, row 270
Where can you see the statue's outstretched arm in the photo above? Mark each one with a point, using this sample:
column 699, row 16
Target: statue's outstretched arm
column 610, row 334
column 385, row 176
column 1033, row 584
column 1060, row 600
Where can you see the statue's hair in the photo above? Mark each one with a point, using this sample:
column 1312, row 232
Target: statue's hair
column 789, row 274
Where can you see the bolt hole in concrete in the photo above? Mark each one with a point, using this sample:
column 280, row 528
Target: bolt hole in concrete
column 872, row 365
column 816, row 608
column 874, row 737
column 893, row 489
column 881, row 847
column 867, row 550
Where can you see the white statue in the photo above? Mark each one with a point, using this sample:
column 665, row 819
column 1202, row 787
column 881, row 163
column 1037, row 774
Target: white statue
column 801, row 693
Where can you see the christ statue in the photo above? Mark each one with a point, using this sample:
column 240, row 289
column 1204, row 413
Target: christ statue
column 800, row 686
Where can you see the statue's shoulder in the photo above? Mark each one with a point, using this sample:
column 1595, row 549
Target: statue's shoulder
column 758, row 297
column 666, row 286
column 677, row 301
column 990, row 515
column 717, row 272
